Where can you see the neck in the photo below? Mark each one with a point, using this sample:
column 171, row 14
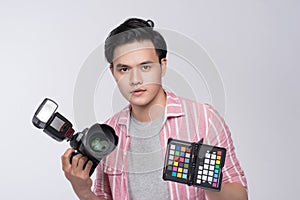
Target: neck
column 151, row 111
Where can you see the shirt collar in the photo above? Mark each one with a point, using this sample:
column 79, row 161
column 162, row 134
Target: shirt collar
column 173, row 109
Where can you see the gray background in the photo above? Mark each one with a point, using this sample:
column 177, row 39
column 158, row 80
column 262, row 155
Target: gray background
column 255, row 45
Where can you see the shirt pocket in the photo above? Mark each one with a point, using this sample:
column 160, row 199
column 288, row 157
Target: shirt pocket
column 112, row 172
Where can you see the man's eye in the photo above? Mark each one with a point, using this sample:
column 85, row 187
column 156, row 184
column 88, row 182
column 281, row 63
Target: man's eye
column 146, row 67
column 124, row 69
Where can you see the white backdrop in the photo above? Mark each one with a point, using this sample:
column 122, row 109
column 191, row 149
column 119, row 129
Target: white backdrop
column 254, row 43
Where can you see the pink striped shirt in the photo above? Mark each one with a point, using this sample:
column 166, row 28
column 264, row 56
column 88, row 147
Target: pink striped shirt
column 185, row 120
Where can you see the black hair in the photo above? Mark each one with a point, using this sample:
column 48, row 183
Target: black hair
column 134, row 29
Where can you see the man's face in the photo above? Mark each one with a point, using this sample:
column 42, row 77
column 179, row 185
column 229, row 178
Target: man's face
column 138, row 73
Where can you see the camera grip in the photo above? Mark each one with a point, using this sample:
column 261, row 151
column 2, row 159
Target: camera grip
column 95, row 163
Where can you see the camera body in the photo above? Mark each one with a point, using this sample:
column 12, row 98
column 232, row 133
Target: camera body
column 95, row 142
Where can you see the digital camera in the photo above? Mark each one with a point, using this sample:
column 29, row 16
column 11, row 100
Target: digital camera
column 95, row 142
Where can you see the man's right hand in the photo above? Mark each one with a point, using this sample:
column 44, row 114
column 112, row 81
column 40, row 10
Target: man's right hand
column 77, row 174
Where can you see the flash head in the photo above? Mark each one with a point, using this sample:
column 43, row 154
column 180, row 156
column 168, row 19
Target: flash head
column 53, row 123
column 44, row 112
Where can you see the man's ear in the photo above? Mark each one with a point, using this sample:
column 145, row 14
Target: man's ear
column 163, row 64
column 111, row 67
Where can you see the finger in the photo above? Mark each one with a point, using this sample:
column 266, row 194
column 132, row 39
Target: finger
column 81, row 162
column 75, row 160
column 88, row 167
column 65, row 159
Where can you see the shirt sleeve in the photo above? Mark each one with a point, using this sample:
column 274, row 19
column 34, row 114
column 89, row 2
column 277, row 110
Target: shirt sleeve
column 101, row 183
column 218, row 134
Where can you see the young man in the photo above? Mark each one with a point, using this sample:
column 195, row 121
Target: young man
column 137, row 57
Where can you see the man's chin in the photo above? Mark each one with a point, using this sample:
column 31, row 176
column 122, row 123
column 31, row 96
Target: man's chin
column 138, row 103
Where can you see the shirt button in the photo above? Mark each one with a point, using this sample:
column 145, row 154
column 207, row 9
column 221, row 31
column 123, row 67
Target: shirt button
column 109, row 169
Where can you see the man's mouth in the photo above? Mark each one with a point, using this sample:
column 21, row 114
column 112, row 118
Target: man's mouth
column 138, row 92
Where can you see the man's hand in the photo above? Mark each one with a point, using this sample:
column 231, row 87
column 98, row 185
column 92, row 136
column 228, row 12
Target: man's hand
column 78, row 173
column 230, row 191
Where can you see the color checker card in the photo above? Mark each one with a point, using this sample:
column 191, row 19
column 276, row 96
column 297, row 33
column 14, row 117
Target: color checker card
column 178, row 161
column 194, row 164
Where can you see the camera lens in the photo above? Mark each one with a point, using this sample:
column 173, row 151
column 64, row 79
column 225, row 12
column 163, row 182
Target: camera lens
column 98, row 141
column 99, row 145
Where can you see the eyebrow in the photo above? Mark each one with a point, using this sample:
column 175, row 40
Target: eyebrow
column 142, row 63
column 146, row 62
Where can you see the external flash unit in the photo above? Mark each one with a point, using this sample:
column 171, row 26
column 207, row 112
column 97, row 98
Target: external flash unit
column 95, row 142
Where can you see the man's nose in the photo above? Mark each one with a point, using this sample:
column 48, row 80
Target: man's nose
column 135, row 77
